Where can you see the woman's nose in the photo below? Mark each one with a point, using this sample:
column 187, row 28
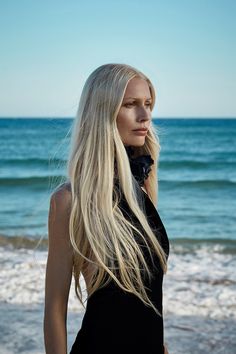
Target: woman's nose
column 143, row 114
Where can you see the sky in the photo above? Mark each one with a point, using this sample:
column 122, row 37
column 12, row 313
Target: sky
column 186, row 48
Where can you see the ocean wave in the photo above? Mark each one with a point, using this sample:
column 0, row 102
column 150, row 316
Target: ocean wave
column 201, row 183
column 169, row 164
column 32, row 181
column 24, row 242
column 194, row 164
column 179, row 245
column 47, row 179
column 30, row 162
column 217, row 245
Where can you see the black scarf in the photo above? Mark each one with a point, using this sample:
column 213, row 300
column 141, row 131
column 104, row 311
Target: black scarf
column 140, row 166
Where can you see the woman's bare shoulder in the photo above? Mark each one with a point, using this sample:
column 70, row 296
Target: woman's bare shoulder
column 61, row 197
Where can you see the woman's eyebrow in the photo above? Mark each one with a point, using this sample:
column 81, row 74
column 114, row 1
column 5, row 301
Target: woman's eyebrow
column 137, row 98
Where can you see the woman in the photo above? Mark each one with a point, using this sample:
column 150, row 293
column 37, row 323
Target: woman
column 104, row 226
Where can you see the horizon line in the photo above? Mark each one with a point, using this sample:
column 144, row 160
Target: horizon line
column 163, row 117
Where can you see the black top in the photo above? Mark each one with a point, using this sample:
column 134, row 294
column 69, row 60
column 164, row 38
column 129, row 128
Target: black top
column 119, row 322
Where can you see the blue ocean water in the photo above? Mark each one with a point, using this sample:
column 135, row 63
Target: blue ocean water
column 197, row 177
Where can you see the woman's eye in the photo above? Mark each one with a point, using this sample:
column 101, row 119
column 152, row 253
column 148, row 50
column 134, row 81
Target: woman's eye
column 129, row 104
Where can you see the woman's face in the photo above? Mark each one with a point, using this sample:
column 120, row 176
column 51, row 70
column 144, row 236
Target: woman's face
column 135, row 113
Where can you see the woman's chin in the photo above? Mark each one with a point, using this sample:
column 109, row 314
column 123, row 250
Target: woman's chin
column 135, row 142
column 138, row 143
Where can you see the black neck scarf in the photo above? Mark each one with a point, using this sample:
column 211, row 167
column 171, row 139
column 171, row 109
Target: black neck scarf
column 140, row 166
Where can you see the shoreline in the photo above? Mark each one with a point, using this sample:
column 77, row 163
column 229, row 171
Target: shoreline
column 178, row 245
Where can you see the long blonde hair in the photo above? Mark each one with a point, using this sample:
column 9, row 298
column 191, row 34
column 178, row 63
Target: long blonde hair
column 99, row 232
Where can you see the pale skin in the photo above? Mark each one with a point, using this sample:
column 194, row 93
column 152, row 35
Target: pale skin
column 135, row 113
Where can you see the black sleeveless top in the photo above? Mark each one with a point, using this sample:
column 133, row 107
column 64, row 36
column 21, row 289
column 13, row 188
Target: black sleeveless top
column 119, row 322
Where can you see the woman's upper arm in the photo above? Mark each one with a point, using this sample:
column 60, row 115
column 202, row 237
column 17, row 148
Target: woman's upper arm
column 60, row 252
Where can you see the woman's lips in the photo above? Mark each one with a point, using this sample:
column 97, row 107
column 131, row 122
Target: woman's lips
column 141, row 132
column 141, row 129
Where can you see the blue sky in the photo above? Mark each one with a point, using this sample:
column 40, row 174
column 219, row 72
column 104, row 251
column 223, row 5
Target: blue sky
column 187, row 48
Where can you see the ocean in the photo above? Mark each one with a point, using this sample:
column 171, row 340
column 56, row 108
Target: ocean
column 197, row 176
column 196, row 202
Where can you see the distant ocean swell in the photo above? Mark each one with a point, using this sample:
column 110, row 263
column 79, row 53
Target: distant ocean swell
column 204, row 183
column 177, row 162
column 195, row 164
column 31, row 162
column 44, row 181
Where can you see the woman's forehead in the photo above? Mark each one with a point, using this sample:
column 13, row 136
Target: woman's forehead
column 137, row 88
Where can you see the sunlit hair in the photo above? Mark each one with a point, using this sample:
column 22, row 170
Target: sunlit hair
column 100, row 235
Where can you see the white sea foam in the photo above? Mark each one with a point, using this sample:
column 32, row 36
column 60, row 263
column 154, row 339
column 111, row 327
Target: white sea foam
column 22, row 278
column 201, row 283
column 198, row 283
